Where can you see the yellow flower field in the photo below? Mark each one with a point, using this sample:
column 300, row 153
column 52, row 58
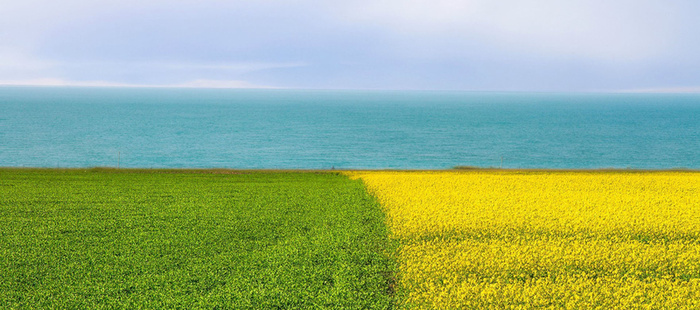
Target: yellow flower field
column 539, row 239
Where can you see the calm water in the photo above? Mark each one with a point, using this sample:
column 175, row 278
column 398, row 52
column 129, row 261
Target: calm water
column 85, row 127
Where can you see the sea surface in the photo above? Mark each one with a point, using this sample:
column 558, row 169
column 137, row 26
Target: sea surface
column 309, row 129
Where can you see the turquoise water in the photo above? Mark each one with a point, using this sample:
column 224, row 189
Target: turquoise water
column 86, row 127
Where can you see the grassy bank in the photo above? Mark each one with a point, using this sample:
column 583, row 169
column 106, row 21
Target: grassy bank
column 189, row 239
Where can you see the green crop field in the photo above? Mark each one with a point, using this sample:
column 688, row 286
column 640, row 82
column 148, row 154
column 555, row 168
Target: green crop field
column 103, row 238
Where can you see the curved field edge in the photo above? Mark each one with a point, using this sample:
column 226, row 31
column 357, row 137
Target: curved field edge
column 208, row 239
column 517, row 239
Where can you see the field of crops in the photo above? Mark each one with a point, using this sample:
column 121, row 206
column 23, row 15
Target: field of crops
column 562, row 240
column 101, row 238
column 89, row 239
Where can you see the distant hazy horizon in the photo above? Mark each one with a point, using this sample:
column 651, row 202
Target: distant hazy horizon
column 671, row 91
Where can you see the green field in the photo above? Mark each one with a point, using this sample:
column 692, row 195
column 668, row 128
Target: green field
column 102, row 238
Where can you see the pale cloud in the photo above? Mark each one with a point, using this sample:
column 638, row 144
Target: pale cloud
column 200, row 83
column 239, row 68
column 61, row 82
column 622, row 30
column 394, row 44
column 235, row 68
column 16, row 60
column 219, row 84
column 27, row 22
column 669, row 90
column 26, row 26
column 18, row 69
column 18, row 66
column 618, row 30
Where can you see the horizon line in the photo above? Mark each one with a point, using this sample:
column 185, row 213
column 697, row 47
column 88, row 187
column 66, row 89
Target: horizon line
column 243, row 86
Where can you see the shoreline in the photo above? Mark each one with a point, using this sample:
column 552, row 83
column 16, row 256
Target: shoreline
column 302, row 170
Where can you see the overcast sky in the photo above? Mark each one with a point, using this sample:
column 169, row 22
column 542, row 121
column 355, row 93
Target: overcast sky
column 510, row 45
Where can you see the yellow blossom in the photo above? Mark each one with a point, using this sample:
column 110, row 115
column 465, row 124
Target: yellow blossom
column 545, row 239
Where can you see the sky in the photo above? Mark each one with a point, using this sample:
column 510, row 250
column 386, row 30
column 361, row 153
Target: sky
column 473, row 45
